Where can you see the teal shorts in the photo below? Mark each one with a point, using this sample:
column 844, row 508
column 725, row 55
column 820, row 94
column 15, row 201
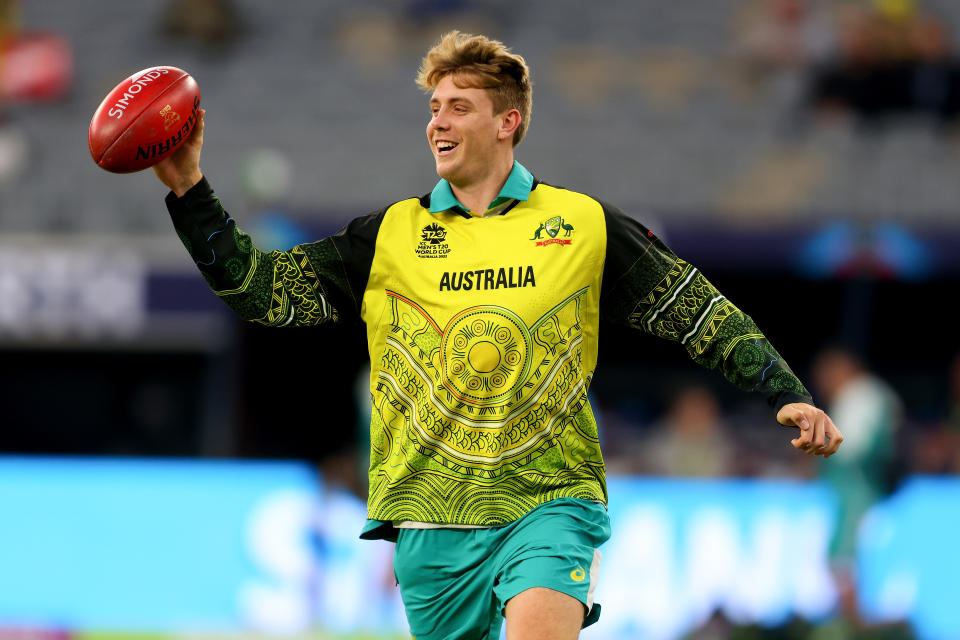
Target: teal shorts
column 455, row 583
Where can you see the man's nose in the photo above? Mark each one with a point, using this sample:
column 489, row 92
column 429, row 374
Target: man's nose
column 439, row 120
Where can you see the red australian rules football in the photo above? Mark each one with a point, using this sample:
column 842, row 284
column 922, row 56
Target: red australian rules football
column 144, row 119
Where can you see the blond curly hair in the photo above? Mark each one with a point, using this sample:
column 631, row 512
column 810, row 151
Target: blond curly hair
column 481, row 63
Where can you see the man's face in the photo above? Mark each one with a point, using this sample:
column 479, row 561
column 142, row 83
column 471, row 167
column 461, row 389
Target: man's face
column 463, row 132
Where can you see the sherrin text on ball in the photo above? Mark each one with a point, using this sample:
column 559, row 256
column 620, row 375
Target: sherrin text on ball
column 144, row 119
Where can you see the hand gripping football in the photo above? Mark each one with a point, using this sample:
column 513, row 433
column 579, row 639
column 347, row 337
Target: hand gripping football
column 144, row 119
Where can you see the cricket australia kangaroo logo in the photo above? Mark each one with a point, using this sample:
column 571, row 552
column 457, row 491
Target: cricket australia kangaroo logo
column 552, row 228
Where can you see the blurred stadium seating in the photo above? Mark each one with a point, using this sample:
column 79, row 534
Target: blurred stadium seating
column 655, row 93
column 665, row 109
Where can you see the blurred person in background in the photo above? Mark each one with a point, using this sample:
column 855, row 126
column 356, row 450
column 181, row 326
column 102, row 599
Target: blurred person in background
column 784, row 35
column 778, row 41
column 935, row 71
column 867, row 78
column 691, row 439
column 210, row 24
column 870, row 413
column 485, row 463
column 893, row 60
column 775, row 44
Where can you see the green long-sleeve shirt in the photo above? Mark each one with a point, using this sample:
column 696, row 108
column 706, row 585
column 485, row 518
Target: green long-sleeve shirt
column 483, row 334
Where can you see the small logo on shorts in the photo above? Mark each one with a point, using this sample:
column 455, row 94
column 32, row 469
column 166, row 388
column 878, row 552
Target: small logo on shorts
column 578, row 574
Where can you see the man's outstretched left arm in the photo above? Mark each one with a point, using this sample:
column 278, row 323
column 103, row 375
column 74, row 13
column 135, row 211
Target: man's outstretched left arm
column 649, row 288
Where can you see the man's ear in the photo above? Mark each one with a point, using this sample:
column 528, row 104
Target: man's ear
column 509, row 122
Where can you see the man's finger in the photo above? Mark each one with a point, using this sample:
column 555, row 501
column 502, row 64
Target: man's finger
column 834, row 438
column 792, row 415
column 807, row 431
column 818, row 438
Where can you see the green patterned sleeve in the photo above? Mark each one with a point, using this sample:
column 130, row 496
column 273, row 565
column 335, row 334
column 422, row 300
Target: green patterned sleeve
column 649, row 288
column 310, row 284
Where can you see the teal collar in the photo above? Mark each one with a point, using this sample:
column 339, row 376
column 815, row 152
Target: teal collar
column 517, row 187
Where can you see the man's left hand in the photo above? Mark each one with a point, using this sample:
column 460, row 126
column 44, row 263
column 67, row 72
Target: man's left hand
column 818, row 435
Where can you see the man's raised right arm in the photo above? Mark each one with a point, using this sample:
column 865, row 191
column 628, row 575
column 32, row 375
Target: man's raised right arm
column 309, row 284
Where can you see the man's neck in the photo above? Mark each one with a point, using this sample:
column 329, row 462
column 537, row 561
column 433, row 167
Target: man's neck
column 478, row 195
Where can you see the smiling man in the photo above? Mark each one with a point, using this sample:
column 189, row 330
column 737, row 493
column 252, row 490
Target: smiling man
column 482, row 301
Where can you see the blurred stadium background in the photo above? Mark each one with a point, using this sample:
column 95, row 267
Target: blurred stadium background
column 156, row 482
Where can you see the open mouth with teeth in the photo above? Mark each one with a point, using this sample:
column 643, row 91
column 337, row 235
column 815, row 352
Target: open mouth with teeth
column 445, row 146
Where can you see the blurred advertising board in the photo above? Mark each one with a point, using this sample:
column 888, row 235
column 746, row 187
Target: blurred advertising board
column 208, row 548
column 683, row 549
column 909, row 558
